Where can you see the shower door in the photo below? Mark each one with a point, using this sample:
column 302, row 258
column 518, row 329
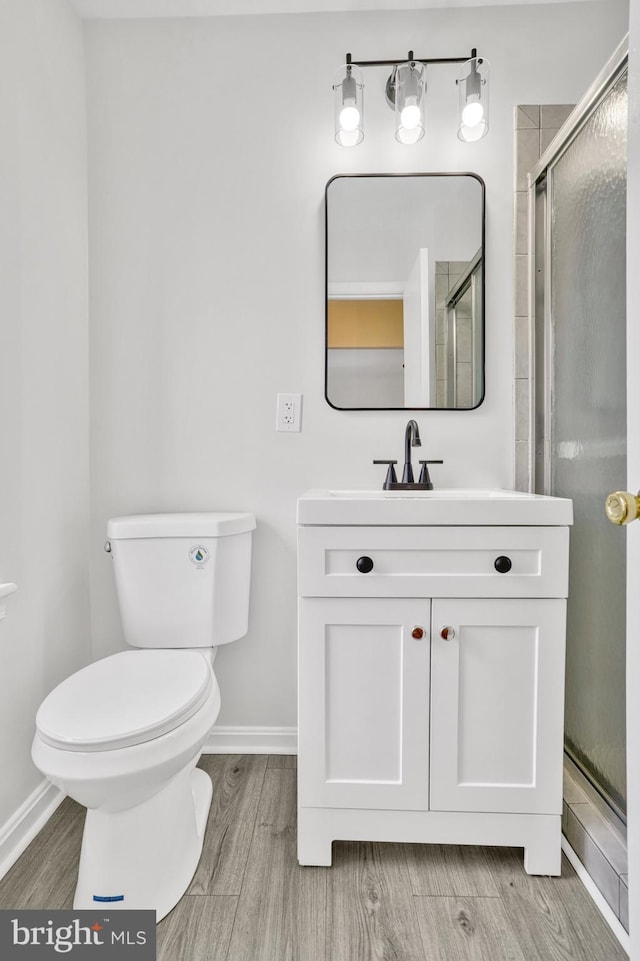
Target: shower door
column 579, row 198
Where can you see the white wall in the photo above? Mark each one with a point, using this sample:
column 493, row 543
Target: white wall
column 206, row 249
column 44, row 472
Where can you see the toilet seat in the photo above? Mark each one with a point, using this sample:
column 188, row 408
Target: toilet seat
column 126, row 699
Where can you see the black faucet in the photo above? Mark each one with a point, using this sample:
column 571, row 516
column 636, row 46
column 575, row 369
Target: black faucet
column 411, row 439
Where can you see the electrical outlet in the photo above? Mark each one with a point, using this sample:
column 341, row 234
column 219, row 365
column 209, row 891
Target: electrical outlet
column 289, row 412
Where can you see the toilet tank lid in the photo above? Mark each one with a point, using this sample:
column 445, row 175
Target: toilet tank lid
column 202, row 524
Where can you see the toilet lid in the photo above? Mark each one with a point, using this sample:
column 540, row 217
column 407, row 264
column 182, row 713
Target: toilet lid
column 124, row 699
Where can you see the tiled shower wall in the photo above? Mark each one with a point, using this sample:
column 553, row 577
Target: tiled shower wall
column 535, row 128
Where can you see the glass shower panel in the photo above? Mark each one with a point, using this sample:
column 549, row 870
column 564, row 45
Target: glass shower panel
column 587, row 194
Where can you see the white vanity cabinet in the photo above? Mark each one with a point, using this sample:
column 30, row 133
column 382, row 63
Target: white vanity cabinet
column 431, row 686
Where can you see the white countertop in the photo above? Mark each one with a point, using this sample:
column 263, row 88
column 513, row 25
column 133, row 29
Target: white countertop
column 491, row 507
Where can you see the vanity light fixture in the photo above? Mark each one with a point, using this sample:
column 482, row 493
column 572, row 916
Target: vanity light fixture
column 405, row 92
column 348, row 102
column 473, row 92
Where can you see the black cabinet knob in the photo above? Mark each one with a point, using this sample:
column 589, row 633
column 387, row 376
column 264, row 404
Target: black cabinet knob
column 502, row 564
column 364, row 564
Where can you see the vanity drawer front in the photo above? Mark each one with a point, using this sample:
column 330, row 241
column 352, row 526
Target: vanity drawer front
column 433, row 561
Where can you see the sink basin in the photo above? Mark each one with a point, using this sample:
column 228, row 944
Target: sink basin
column 468, row 507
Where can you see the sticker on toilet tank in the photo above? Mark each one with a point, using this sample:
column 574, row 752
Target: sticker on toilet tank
column 199, row 556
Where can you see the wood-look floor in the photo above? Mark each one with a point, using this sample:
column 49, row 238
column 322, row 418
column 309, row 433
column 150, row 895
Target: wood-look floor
column 250, row 900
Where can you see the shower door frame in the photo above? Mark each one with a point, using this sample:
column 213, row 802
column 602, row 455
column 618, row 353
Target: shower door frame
column 540, row 183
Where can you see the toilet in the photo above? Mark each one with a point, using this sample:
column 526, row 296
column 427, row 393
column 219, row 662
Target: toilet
column 123, row 735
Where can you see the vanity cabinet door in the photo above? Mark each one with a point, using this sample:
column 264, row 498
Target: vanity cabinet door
column 363, row 714
column 497, row 694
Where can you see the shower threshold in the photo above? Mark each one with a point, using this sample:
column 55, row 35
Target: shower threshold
column 598, row 837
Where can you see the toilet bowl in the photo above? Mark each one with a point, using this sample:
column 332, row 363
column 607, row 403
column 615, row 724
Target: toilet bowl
column 123, row 735
column 131, row 761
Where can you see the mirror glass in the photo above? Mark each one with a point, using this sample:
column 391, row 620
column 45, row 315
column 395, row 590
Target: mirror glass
column 404, row 291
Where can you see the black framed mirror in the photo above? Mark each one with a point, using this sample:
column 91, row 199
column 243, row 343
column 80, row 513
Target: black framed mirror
column 404, row 289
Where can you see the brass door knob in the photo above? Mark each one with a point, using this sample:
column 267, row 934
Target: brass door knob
column 621, row 507
column 418, row 633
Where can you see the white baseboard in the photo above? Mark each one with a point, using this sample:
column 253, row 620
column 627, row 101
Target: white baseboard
column 252, row 740
column 597, row 897
column 21, row 828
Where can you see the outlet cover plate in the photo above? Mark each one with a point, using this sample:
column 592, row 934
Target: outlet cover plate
column 289, row 412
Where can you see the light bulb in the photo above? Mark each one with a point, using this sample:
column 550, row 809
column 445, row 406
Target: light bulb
column 410, row 114
column 473, row 114
column 349, row 116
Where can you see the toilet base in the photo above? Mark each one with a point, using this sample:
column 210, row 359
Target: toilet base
column 145, row 857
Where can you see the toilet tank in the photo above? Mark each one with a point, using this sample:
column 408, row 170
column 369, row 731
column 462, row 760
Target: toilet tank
column 182, row 579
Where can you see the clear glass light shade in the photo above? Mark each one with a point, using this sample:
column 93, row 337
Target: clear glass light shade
column 348, row 106
column 473, row 94
column 409, row 97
